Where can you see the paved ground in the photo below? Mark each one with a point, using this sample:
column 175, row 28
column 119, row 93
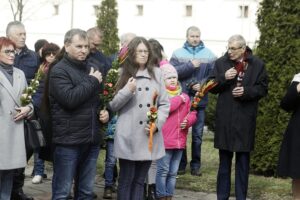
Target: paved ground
column 43, row 191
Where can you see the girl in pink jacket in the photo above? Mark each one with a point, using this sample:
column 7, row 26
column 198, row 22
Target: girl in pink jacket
column 174, row 131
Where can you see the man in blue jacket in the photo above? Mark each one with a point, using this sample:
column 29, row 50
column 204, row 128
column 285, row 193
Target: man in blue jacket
column 193, row 63
column 27, row 61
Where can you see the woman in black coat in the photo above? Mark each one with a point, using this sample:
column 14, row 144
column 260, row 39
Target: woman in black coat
column 289, row 156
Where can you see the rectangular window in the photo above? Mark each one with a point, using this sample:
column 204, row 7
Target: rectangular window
column 140, row 10
column 244, row 11
column 56, row 9
column 188, row 10
column 96, row 9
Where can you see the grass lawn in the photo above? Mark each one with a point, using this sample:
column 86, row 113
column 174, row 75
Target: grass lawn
column 260, row 187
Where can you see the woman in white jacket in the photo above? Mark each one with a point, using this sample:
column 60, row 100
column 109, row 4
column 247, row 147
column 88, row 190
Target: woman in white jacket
column 12, row 143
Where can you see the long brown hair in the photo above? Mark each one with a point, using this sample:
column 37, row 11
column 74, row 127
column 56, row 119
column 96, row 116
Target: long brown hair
column 129, row 67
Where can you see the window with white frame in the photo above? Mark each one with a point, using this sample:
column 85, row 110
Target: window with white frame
column 244, row 11
column 96, row 9
column 56, row 9
column 188, row 10
column 140, row 10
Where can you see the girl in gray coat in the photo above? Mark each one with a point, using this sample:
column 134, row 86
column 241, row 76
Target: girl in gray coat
column 138, row 81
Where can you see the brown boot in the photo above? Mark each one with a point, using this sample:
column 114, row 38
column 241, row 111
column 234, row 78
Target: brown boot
column 169, row 198
column 162, row 198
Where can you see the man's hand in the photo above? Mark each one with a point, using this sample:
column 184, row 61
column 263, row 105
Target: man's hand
column 96, row 74
column 196, row 62
column 238, row 91
column 104, row 116
column 230, row 73
column 131, row 84
column 196, row 87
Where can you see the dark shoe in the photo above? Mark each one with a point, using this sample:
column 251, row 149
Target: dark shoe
column 181, row 172
column 145, row 191
column 95, row 195
column 151, row 192
column 107, row 193
column 70, row 197
column 20, row 196
column 196, row 172
column 44, row 175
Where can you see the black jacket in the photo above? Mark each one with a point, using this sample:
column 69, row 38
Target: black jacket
column 236, row 117
column 74, row 103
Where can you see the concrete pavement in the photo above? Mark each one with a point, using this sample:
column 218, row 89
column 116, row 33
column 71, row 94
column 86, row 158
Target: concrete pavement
column 43, row 191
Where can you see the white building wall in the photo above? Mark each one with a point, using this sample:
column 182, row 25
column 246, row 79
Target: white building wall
column 163, row 20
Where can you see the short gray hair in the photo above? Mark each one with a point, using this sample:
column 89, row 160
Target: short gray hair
column 126, row 38
column 12, row 24
column 94, row 31
column 71, row 33
column 238, row 38
column 192, row 28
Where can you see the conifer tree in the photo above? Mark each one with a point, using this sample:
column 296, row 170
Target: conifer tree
column 279, row 47
column 107, row 22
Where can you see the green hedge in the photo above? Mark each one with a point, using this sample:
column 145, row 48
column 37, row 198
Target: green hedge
column 279, row 46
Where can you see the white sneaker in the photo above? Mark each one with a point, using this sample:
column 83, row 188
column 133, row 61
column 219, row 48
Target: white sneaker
column 37, row 179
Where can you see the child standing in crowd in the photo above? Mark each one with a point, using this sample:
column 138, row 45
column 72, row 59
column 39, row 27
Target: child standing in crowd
column 110, row 159
column 139, row 81
column 175, row 132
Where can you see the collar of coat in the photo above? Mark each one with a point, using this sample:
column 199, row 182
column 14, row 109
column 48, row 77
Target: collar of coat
column 143, row 74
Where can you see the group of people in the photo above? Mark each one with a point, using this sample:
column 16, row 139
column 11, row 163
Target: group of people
column 151, row 149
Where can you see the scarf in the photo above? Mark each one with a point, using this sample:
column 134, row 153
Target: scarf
column 241, row 67
column 174, row 91
column 7, row 71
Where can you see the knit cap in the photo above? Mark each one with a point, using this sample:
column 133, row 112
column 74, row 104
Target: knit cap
column 168, row 71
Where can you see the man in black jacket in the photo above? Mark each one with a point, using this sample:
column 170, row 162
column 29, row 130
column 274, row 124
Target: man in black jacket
column 242, row 82
column 74, row 89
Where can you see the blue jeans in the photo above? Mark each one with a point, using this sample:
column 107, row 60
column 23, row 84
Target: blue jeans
column 110, row 162
column 76, row 162
column 6, row 183
column 197, row 133
column 241, row 174
column 167, row 168
column 39, row 165
column 132, row 178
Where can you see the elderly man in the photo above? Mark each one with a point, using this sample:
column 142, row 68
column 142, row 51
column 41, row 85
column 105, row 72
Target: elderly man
column 193, row 63
column 242, row 82
column 74, row 103
column 26, row 60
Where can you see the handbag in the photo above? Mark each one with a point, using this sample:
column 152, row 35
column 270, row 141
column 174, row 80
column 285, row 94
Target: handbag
column 34, row 137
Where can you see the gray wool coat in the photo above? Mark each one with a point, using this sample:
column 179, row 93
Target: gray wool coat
column 131, row 139
column 12, row 143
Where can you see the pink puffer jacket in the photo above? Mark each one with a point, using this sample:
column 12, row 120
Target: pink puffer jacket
column 174, row 136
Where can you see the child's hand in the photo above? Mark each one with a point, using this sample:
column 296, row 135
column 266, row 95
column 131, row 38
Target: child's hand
column 183, row 124
column 183, row 98
column 104, row 116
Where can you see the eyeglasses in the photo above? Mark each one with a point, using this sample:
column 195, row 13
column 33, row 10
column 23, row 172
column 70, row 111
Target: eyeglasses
column 9, row 52
column 142, row 51
column 233, row 48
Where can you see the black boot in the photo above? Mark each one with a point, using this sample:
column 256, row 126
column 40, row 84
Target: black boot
column 151, row 192
column 145, row 191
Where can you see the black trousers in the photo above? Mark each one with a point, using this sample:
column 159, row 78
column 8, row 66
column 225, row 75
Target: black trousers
column 242, row 160
column 19, row 175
